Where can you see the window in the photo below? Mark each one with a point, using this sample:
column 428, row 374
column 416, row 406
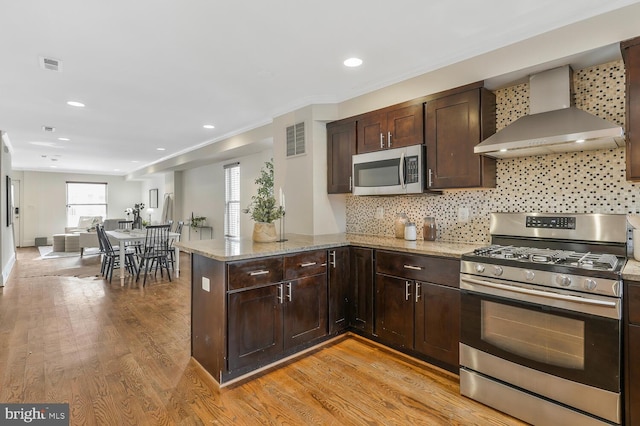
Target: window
column 85, row 199
column 232, row 200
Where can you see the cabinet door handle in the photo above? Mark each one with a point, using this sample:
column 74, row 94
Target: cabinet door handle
column 389, row 139
column 350, row 183
column 304, row 265
column 280, row 294
column 289, row 292
column 430, row 184
column 418, row 290
column 415, row 268
column 407, row 287
column 254, row 273
column 381, row 140
column 332, row 258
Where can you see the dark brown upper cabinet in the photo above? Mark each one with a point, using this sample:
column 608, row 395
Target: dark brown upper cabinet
column 391, row 127
column 631, row 55
column 454, row 124
column 341, row 145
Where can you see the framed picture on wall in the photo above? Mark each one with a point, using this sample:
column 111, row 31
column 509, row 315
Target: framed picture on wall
column 153, row 198
column 9, row 202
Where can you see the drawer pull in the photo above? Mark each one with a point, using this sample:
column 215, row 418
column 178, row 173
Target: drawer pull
column 254, row 273
column 415, row 268
column 304, row 265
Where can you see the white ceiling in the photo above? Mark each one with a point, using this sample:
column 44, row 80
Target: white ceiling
column 153, row 72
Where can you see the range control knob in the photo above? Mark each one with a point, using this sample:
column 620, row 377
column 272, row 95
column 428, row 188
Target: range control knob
column 479, row 268
column 497, row 271
column 529, row 275
column 590, row 284
column 563, row 280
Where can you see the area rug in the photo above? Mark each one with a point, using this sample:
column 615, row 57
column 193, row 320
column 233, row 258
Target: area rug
column 46, row 252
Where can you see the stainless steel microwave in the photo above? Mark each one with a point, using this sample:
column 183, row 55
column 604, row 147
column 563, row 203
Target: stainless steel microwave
column 388, row 172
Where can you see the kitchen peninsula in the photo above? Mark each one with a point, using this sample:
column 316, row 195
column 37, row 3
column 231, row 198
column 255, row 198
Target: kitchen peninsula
column 257, row 304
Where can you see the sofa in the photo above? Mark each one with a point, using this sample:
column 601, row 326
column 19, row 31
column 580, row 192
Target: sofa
column 85, row 223
column 90, row 238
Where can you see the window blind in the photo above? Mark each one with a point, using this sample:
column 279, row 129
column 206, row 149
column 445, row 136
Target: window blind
column 232, row 200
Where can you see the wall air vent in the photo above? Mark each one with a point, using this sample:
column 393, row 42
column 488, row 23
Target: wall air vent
column 49, row 129
column 50, row 64
column 295, row 140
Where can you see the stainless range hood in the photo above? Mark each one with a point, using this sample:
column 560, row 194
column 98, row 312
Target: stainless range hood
column 554, row 125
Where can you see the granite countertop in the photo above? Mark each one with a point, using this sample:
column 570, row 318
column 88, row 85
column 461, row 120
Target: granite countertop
column 229, row 249
column 631, row 270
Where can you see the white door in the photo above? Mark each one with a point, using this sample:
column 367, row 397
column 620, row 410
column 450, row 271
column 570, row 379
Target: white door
column 15, row 193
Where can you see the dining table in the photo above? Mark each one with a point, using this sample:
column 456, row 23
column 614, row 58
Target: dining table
column 124, row 237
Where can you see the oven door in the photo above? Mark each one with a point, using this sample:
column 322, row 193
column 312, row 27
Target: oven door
column 564, row 334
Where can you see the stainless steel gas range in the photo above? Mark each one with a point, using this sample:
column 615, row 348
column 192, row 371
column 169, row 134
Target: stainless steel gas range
column 541, row 318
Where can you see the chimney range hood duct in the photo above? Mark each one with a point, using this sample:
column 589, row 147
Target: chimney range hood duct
column 554, row 125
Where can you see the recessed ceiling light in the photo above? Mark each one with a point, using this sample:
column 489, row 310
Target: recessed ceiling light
column 503, row 150
column 116, row 170
column 209, row 126
column 64, row 139
column 75, row 104
column 135, row 161
column 160, row 149
column 54, row 167
column 352, row 62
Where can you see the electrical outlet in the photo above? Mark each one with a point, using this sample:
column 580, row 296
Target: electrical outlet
column 206, row 284
column 379, row 214
column 463, row 214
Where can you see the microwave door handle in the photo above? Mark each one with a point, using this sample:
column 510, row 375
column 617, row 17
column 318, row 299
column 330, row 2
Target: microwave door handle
column 401, row 171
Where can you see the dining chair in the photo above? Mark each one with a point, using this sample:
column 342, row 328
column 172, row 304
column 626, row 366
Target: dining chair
column 125, row 224
column 170, row 223
column 112, row 256
column 172, row 248
column 155, row 252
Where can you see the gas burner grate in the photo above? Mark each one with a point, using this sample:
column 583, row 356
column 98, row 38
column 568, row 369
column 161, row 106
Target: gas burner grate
column 601, row 262
column 594, row 261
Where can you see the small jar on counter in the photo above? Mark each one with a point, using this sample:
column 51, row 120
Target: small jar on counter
column 399, row 224
column 410, row 231
column 429, row 230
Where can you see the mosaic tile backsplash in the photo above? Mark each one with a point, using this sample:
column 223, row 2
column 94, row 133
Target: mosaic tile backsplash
column 576, row 182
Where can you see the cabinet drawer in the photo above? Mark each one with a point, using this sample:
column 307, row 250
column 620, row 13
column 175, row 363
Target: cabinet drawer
column 305, row 264
column 436, row 270
column 254, row 272
column 633, row 295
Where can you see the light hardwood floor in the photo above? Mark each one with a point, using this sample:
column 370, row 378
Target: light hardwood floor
column 120, row 355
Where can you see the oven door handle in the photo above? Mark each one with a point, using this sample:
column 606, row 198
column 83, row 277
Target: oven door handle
column 548, row 295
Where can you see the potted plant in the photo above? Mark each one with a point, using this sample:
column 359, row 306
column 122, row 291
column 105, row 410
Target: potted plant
column 263, row 208
column 197, row 221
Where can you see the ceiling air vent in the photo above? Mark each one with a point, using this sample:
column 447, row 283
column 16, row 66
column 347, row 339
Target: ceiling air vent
column 295, row 140
column 50, row 64
column 49, row 128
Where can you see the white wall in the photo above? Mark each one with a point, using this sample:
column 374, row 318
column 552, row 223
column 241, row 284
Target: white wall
column 303, row 178
column 203, row 192
column 154, row 182
column 7, row 248
column 43, row 199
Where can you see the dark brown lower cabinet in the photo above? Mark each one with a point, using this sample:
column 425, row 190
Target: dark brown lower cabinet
column 266, row 321
column 339, row 297
column 255, row 326
column 632, row 352
column 394, row 310
column 437, row 322
column 417, row 305
column 361, row 308
column 304, row 310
